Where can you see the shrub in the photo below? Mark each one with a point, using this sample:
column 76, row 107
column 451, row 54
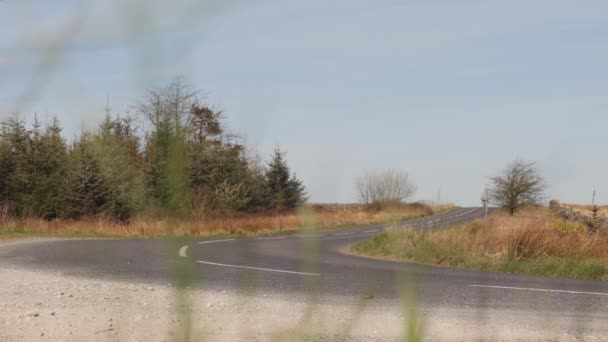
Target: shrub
column 384, row 188
column 569, row 227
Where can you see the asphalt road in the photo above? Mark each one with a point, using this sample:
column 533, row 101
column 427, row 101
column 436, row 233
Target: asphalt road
column 313, row 263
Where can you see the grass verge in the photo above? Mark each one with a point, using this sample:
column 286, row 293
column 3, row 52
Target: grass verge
column 533, row 242
column 325, row 216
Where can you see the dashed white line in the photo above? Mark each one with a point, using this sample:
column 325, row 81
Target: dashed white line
column 539, row 290
column 258, row 268
column 214, row 241
column 183, row 249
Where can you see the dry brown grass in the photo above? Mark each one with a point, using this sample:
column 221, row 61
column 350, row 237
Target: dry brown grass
column 535, row 241
column 324, row 216
column 531, row 234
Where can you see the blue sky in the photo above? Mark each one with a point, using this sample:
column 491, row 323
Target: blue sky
column 448, row 90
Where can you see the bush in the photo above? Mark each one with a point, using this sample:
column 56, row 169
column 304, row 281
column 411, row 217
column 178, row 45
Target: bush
column 569, row 227
column 383, row 189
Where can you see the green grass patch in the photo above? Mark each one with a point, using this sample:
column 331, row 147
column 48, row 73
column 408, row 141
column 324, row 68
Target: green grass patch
column 555, row 267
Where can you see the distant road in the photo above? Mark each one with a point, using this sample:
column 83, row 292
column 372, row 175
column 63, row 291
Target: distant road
column 315, row 262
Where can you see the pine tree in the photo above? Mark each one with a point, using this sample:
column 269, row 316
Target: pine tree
column 219, row 172
column 206, row 124
column 15, row 185
column 256, row 182
column 166, row 164
column 88, row 193
column 117, row 151
column 156, row 168
column 32, row 198
column 219, row 176
column 296, row 192
column 283, row 190
column 49, row 164
column 6, row 169
column 188, row 152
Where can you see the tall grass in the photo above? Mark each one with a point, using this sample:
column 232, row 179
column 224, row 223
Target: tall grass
column 533, row 242
column 327, row 216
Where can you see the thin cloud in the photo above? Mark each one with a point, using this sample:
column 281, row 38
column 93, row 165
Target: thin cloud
column 116, row 24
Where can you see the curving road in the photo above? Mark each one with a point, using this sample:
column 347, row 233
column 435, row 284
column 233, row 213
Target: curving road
column 315, row 263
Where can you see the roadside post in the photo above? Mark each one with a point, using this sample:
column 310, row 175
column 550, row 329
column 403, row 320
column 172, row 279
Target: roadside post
column 485, row 200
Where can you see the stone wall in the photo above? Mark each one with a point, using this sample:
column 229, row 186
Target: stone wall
column 584, row 216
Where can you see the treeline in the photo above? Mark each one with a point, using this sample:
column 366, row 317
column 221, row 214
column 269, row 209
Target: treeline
column 186, row 164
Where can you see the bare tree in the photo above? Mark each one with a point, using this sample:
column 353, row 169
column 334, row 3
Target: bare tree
column 170, row 106
column 382, row 188
column 519, row 184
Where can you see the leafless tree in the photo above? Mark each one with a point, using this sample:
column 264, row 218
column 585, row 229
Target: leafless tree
column 170, row 106
column 382, row 188
column 519, row 184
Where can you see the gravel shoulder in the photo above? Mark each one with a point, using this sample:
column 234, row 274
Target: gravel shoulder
column 51, row 306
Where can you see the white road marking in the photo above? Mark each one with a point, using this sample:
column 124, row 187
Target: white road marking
column 539, row 290
column 258, row 268
column 182, row 251
column 213, row 241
